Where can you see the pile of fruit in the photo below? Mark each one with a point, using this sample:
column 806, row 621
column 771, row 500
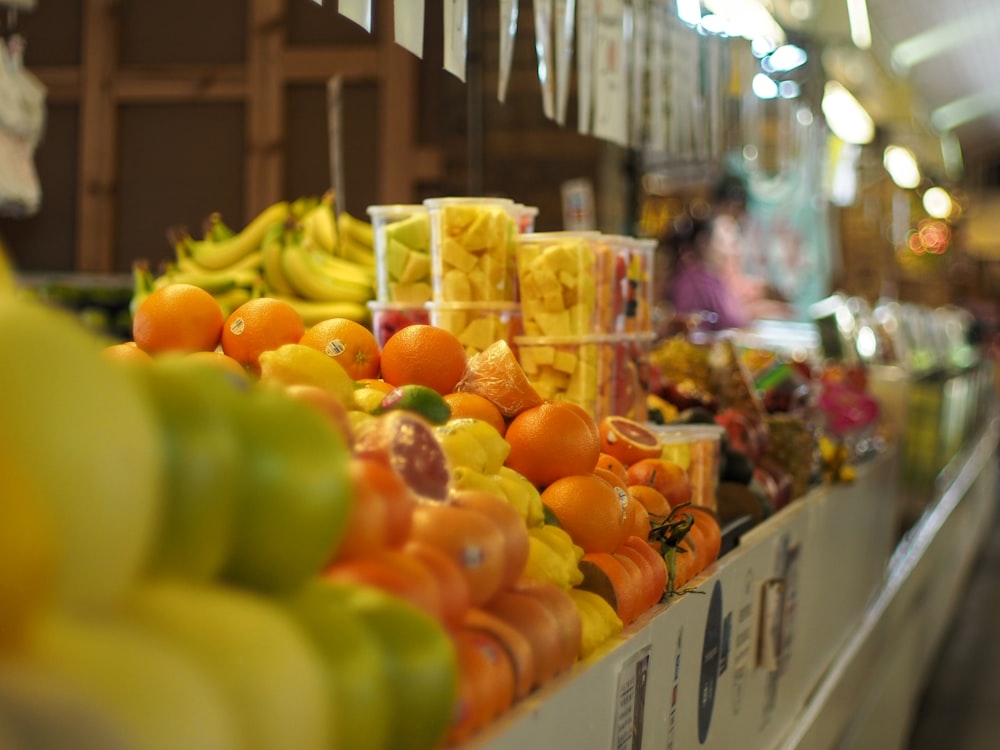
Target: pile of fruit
column 297, row 251
column 292, row 537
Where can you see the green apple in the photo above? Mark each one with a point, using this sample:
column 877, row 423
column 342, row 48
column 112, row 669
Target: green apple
column 87, row 441
column 267, row 668
column 155, row 696
column 201, row 446
column 421, row 660
column 356, row 665
column 294, row 492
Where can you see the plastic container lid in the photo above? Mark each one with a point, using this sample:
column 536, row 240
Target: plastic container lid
column 687, row 433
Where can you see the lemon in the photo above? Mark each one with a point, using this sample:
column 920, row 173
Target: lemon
column 295, row 364
column 462, row 450
column 461, row 435
column 522, row 494
column 88, row 443
column 464, row 478
column 368, row 400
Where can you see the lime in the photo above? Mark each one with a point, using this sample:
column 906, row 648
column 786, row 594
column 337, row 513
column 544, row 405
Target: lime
column 420, row 399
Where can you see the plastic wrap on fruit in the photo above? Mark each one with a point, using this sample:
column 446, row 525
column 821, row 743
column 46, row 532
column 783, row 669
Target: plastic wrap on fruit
column 496, row 374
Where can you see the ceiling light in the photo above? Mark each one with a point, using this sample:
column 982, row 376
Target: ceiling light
column 788, row 89
column 966, row 109
column 747, row 18
column 689, row 11
column 861, row 30
column 787, row 57
column 764, row 87
column 937, row 203
column 902, row 167
column 846, row 117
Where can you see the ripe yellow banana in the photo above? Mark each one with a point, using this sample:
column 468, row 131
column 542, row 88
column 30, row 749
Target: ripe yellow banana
column 350, row 249
column 314, row 275
column 313, row 312
column 213, row 282
column 214, row 228
column 319, row 225
column 142, row 285
column 359, row 230
column 220, row 255
column 272, row 250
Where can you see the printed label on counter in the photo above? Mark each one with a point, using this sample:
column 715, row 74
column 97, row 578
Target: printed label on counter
column 630, row 704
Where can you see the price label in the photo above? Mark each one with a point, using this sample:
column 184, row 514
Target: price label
column 630, row 703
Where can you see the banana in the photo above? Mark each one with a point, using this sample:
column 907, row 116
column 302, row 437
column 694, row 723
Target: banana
column 215, row 229
column 320, row 226
column 232, row 298
column 313, row 312
column 252, row 262
column 213, row 282
column 142, row 285
column 350, row 249
column 272, row 250
column 220, row 255
column 359, row 230
column 312, row 275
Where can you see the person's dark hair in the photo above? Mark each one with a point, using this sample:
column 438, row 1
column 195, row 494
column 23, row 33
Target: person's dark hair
column 685, row 236
column 730, row 189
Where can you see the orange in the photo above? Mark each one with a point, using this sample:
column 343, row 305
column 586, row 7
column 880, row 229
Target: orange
column 639, row 580
column 706, row 520
column 372, row 477
column 395, row 572
column 479, row 407
column 486, row 682
column 127, row 351
column 495, row 374
column 611, row 478
column 374, row 383
column 610, row 463
column 550, row 441
column 589, row 510
column 648, row 573
column 532, row 618
column 513, row 641
column 560, row 604
column 665, row 476
column 177, row 317
column 454, row 589
column 348, row 343
column 658, row 566
column 508, row 520
column 627, row 440
column 681, row 564
column 470, row 538
column 423, row 354
column 619, row 586
column 640, row 525
column 224, row 361
column 257, row 326
column 653, row 501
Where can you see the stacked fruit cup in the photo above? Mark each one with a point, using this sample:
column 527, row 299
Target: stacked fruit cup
column 632, row 301
column 403, row 267
column 696, row 448
column 474, row 282
column 565, row 282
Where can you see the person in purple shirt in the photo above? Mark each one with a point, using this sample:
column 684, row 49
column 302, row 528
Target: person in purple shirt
column 695, row 287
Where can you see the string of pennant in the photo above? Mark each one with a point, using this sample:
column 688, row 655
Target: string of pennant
column 644, row 78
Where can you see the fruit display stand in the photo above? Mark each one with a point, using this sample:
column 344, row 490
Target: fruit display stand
column 803, row 633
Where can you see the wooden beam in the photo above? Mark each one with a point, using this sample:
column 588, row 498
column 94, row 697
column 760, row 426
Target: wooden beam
column 62, row 82
column 318, row 64
column 187, row 83
column 397, row 107
column 98, row 135
column 265, row 126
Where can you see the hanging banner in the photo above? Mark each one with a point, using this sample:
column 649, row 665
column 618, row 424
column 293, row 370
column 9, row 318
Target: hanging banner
column 637, row 95
column 359, row 11
column 543, row 48
column 408, row 23
column 565, row 26
column 586, row 13
column 658, row 20
column 611, row 80
column 508, row 32
column 456, row 36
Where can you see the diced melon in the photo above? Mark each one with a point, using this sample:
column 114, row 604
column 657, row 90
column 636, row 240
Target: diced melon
column 397, row 255
column 413, row 231
column 417, row 268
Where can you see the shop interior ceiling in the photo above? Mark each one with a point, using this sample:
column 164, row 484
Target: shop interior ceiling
column 931, row 70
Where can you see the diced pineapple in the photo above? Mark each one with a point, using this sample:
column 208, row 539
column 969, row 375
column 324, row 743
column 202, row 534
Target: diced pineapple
column 555, row 324
column 455, row 286
column 485, row 231
column 566, row 360
column 552, row 302
column 454, row 254
column 416, row 293
column 481, row 332
column 457, row 217
column 455, row 321
column 479, row 286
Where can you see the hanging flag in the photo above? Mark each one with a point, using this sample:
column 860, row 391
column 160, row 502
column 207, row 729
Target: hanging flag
column 543, row 48
column 611, row 100
column 456, row 36
column 565, row 25
column 586, row 35
column 359, row 11
column 408, row 25
column 508, row 31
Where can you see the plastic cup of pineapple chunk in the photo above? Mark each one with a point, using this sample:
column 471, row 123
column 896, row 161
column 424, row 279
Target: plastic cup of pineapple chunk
column 565, row 284
column 570, row 368
column 471, row 258
column 695, row 448
column 402, row 253
column 477, row 324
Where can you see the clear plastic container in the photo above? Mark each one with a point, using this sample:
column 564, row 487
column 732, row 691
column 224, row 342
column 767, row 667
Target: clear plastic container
column 402, row 253
column 633, row 293
column 696, row 448
column 477, row 324
column 564, row 284
column 630, row 375
column 525, row 216
column 571, row 368
column 389, row 317
column 471, row 258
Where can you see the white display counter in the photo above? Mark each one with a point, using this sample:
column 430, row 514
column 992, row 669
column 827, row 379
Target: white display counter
column 815, row 628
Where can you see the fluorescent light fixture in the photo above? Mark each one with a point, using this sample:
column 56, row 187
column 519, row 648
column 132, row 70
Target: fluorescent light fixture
column 951, row 154
column 937, row 203
column 940, row 38
column 902, row 167
column 861, row 30
column 787, row 57
column 761, row 47
column 846, row 117
column 764, row 87
column 966, row 109
column 747, row 18
column 689, row 11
